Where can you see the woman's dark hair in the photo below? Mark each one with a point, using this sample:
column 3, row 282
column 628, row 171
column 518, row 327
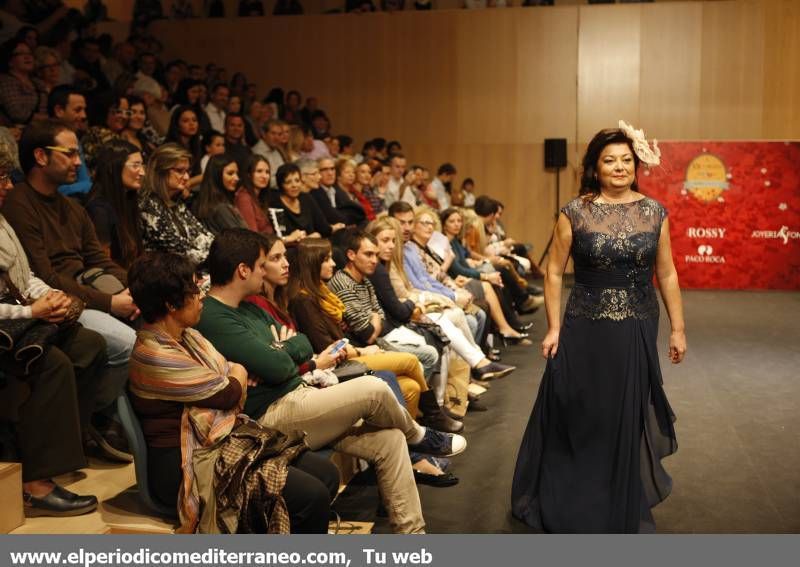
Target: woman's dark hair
column 108, row 185
column 285, row 171
column 181, row 93
column 590, row 184
column 7, row 49
column 247, row 175
column 238, row 78
column 311, row 253
column 173, row 135
column 468, row 181
column 295, row 94
column 212, row 191
column 394, row 147
column 281, row 297
column 159, row 281
column 133, row 100
column 447, row 213
column 98, row 111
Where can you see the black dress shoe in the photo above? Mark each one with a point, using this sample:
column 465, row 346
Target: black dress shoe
column 438, row 480
column 534, row 289
column 492, row 370
column 476, row 406
column 60, row 502
column 108, row 445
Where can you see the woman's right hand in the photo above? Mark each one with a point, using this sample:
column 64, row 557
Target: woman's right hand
column 51, row 307
column 550, row 343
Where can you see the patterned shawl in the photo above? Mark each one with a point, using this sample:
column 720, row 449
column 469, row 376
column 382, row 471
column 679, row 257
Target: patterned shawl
column 186, row 371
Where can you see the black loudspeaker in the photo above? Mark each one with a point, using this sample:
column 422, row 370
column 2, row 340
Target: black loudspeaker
column 555, row 153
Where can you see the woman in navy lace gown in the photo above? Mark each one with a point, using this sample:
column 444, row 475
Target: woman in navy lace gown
column 590, row 460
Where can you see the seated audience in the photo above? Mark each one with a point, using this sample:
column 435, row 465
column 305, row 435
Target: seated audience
column 235, row 144
column 272, row 353
column 134, row 129
column 361, row 190
column 109, row 123
column 507, row 281
column 21, row 94
column 68, row 105
column 300, row 214
column 311, row 175
column 184, row 130
column 255, row 180
column 269, row 147
column 400, row 185
column 216, row 108
column 213, row 205
column 386, row 232
column 417, row 251
column 442, row 184
column 345, row 200
column 59, row 238
column 165, row 223
column 188, row 398
column 112, row 203
column 213, row 145
column 49, row 399
column 323, row 317
column 392, row 368
column 48, row 68
column 364, row 319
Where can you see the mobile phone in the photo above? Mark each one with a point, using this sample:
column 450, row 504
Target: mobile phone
column 339, row 346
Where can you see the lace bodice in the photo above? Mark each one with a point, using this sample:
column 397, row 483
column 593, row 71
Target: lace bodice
column 614, row 250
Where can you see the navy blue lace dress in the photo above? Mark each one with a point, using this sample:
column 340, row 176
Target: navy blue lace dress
column 590, row 460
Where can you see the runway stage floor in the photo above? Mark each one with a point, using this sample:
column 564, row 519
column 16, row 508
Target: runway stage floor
column 737, row 401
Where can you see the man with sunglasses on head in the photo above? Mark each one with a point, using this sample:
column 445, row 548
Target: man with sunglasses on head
column 61, row 243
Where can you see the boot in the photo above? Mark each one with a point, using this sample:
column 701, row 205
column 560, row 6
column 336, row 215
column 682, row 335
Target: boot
column 434, row 417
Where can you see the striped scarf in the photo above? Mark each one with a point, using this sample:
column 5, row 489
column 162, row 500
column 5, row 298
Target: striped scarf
column 186, row 371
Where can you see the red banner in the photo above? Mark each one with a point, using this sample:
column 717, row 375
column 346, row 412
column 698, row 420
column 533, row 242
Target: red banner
column 734, row 210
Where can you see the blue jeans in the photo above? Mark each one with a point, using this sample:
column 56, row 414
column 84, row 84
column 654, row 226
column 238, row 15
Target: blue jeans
column 119, row 339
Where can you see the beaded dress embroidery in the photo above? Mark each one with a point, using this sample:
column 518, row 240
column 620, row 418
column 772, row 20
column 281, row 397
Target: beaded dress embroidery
column 614, row 250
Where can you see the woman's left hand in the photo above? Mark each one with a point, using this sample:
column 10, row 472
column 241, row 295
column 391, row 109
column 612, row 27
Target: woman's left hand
column 677, row 346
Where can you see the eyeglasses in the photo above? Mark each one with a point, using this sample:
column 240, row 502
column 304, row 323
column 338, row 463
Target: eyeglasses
column 327, row 168
column 121, row 112
column 181, row 171
column 134, row 165
column 21, row 53
column 5, row 178
column 69, row 152
column 50, row 66
column 427, row 223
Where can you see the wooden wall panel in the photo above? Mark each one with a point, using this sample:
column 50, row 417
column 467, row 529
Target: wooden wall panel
column 781, row 118
column 732, row 68
column 670, row 79
column 608, row 67
column 546, row 86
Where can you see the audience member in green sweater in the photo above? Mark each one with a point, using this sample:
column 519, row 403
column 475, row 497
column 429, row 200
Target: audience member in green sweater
column 278, row 398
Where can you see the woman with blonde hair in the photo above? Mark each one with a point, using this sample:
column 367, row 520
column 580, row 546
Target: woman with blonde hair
column 425, row 221
column 403, row 309
column 165, row 223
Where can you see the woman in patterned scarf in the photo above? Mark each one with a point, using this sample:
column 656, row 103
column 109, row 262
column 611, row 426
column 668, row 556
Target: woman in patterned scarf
column 226, row 473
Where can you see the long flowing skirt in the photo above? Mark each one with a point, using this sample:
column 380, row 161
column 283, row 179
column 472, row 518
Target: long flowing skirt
column 590, row 459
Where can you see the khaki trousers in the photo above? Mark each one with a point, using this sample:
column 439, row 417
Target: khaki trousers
column 328, row 416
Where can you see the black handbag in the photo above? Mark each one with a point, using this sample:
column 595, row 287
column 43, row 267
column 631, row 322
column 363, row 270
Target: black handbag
column 351, row 369
column 23, row 341
column 432, row 332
